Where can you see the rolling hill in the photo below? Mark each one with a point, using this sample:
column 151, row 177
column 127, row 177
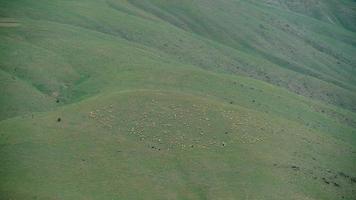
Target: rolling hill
column 168, row 99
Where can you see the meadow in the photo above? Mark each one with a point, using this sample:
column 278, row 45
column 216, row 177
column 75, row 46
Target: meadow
column 168, row 99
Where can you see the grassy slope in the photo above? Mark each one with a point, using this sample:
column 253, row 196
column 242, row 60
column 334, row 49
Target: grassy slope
column 129, row 76
column 332, row 11
column 103, row 149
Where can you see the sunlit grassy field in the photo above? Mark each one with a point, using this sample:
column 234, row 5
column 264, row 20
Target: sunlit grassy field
column 168, row 99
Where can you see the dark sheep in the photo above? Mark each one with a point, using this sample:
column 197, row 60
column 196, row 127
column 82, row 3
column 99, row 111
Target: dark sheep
column 353, row 179
column 336, row 185
column 325, row 181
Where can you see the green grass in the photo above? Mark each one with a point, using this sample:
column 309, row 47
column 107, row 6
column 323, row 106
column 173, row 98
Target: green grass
column 174, row 99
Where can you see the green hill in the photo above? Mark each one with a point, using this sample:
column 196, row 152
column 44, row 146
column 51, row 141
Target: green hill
column 168, row 99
